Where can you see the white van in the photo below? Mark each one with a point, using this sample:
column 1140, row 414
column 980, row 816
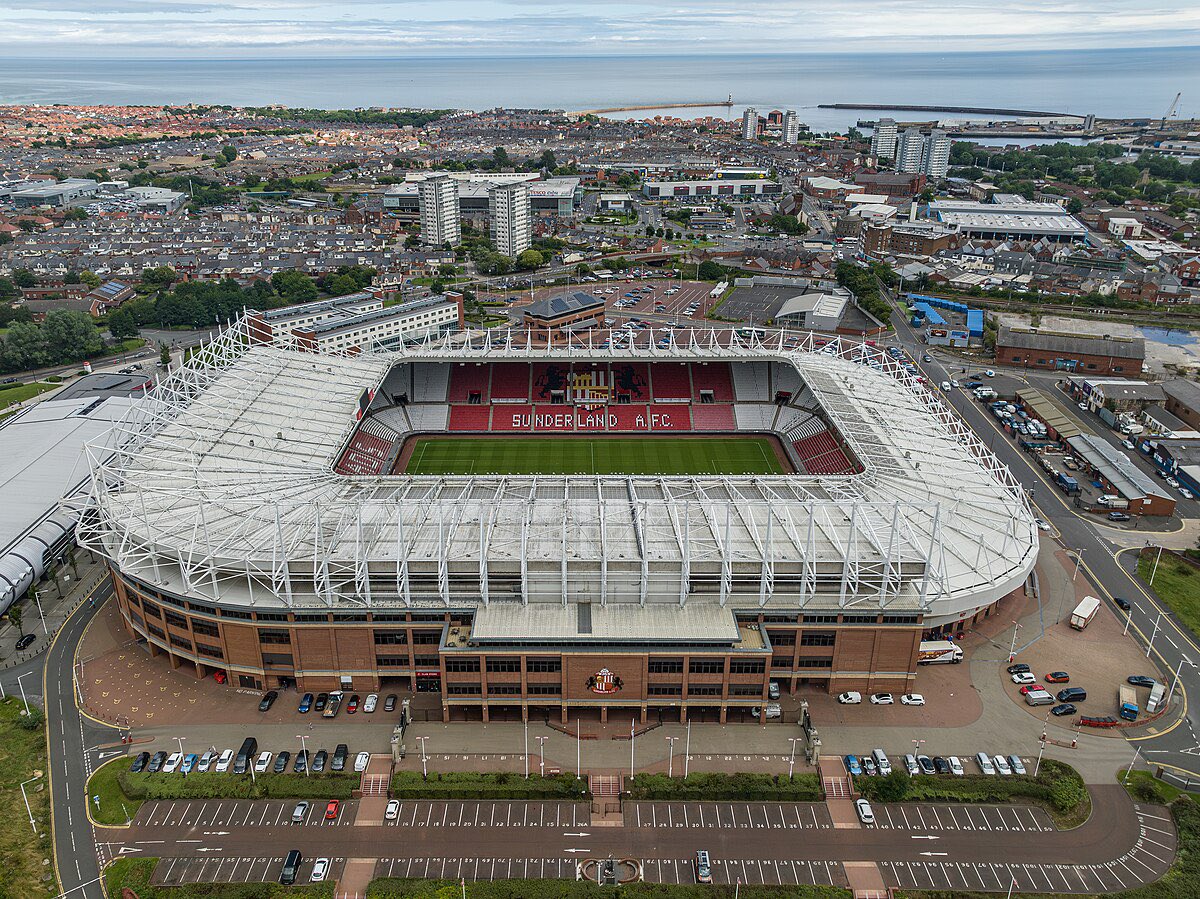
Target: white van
column 851, row 698
column 1109, row 499
column 882, row 761
column 985, row 763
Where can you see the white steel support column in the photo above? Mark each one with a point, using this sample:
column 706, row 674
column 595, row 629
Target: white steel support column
column 362, row 573
column 685, row 567
column 726, row 560
column 566, row 506
column 766, row 582
column 402, row 558
column 934, row 537
column 846, row 558
column 443, row 565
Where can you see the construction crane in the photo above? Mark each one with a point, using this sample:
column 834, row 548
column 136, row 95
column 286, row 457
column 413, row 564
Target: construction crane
column 1171, row 111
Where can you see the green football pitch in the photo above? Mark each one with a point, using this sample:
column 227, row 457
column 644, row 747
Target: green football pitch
column 582, row 455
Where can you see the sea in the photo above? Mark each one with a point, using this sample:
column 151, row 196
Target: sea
column 1113, row 83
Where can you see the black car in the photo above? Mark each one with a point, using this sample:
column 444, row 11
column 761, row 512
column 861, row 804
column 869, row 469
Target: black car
column 1122, row 604
column 268, row 700
column 301, row 762
column 1018, row 668
column 140, row 762
column 319, row 760
column 389, row 703
column 926, row 764
column 340, row 753
column 1140, row 680
column 281, row 761
column 941, row 765
column 1065, row 709
column 1072, row 694
column 156, row 762
column 322, row 699
column 25, row 640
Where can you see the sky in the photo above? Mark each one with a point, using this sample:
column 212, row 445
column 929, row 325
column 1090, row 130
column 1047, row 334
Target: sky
column 266, row 28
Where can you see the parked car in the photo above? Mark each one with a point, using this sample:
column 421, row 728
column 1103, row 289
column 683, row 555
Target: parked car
column 773, row 710
column 865, row 814
column 331, row 809
column 389, row 703
column 352, row 705
column 1042, row 524
column 171, row 765
column 1058, row 677
column 320, row 870
column 869, row 767
column 140, row 761
column 925, row 763
column 956, row 766
column 25, row 641
column 392, row 812
column 1024, row 677
column 206, row 760
column 881, row 699
column 224, row 761
column 319, row 760
column 300, row 812
column 1072, row 694
column 263, row 763
column 1118, row 516
column 1018, row 668
column 1140, row 680
column 852, row 765
column 157, row 761
column 301, row 764
column 306, row 702
column 340, row 753
column 911, row 766
column 703, row 867
column 1032, row 688
column 851, row 698
column 369, row 704
column 319, row 705
column 1002, row 765
column 985, row 763
column 189, row 763
column 912, row 699
column 361, row 761
column 1014, row 762
column 1063, row 709
column 281, row 761
column 268, row 700
column 941, row 765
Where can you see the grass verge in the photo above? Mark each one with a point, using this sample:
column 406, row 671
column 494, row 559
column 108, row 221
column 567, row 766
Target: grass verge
column 1145, row 787
column 23, row 758
column 210, row 785
column 135, row 873
column 1182, row 881
column 1058, row 788
column 397, row 888
column 20, row 394
column 726, row 787
column 115, row 807
column 1177, row 584
column 470, row 785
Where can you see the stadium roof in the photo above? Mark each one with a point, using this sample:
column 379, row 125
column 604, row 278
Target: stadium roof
column 227, row 492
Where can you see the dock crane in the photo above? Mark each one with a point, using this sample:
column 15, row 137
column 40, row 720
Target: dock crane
column 1170, row 114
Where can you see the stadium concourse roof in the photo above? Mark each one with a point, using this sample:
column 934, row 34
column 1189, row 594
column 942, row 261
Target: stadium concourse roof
column 226, row 491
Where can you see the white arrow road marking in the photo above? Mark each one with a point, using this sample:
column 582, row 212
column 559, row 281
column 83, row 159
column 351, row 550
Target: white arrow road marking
column 576, row 835
column 926, row 838
column 125, row 849
column 934, row 853
column 575, row 850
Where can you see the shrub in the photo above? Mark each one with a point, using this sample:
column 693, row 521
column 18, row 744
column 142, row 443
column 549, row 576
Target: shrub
column 893, row 787
column 33, row 721
column 210, row 785
column 398, row 888
column 721, row 787
column 471, row 785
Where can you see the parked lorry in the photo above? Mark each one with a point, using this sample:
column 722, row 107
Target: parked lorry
column 1127, row 703
column 939, row 652
column 1112, row 501
column 1085, row 612
column 1066, row 484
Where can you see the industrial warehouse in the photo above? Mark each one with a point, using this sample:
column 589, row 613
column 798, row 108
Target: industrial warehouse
column 275, row 516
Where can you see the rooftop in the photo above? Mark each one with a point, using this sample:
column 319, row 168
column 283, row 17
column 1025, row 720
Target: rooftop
column 563, row 304
column 1056, row 342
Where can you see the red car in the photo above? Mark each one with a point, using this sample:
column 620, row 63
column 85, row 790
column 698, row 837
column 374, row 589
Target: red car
column 1032, row 688
column 1058, row 677
column 352, row 705
column 331, row 810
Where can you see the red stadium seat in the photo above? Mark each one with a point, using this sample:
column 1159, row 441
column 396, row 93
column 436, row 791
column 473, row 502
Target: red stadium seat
column 707, row 417
column 510, row 382
column 470, row 418
column 714, row 377
column 671, row 382
column 469, row 380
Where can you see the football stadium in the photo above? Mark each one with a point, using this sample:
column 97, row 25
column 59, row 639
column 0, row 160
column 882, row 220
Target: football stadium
column 569, row 529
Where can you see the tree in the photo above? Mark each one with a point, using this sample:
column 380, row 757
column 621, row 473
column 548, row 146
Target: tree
column 295, row 287
column 500, row 159
column 228, row 153
column 340, row 285
column 160, row 276
column 710, row 271
column 583, row 270
column 71, row 336
column 23, row 347
column 14, row 618
column 164, row 355
column 22, row 277
column 91, row 279
column 27, row 225
column 893, row 787
column 1074, row 206
column 75, row 214
column 411, row 242
column 529, row 260
column 7, row 289
column 122, row 324
column 547, row 161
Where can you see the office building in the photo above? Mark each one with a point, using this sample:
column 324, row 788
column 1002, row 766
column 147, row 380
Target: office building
column 750, row 124
column 753, row 188
column 512, row 232
column 883, row 140
column 791, row 127
column 439, row 211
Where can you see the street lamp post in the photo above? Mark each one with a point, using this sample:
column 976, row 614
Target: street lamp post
column 425, row 769
column 1153, row 634
column 917, row 744
column 303, row 738
column 1078, row 559
column 1154, row 570
column 792, row 758
column 21, row 687
column 1128, row 619
column 1171, row 692
column 687, row 748
column 28, row 810
column 180, row 740
column 1136, row 753
column 671, row 757
column 1012, row 649
column 542, row 756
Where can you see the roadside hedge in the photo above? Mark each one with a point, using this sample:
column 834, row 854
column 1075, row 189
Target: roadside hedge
column 1057, row 785
column 210, row 785
column 502, row 785
column 399, row 888
column 725, row 787
column 135, row 874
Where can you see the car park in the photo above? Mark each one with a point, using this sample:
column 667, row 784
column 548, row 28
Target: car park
column 956, row 766
column 331, row 809
column 912, row 699
column 361, row 761
column 300, row 812
column 281, row 761
column 319, row 760
column 940, row 765
column 1063, row 709
column 1058, row 677
column 1002, row 765
column 306, row 702
column 268, row 700
column 881, row 699
column 703, row 867
column 1018, row 668
column 140, row 761
column 392, row 812
column 1024, row 677
column 389, row 703
column 925, row 763
column 224, row 761
column 865, row 814
column 1140, row 680
column 1014, row 762
column 851, row 698
column 171, row 765
column 852, row 765
column 320, row 870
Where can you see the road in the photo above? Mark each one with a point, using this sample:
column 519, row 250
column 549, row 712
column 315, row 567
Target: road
column 1107, row 567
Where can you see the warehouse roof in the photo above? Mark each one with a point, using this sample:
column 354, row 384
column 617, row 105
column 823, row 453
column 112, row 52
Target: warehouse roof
column 1055, row 342
column 1117, row 468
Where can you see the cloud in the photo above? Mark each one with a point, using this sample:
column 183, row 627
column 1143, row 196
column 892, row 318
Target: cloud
column 511, row 27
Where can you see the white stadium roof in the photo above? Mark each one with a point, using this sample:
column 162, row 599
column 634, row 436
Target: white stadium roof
column 226, row 492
